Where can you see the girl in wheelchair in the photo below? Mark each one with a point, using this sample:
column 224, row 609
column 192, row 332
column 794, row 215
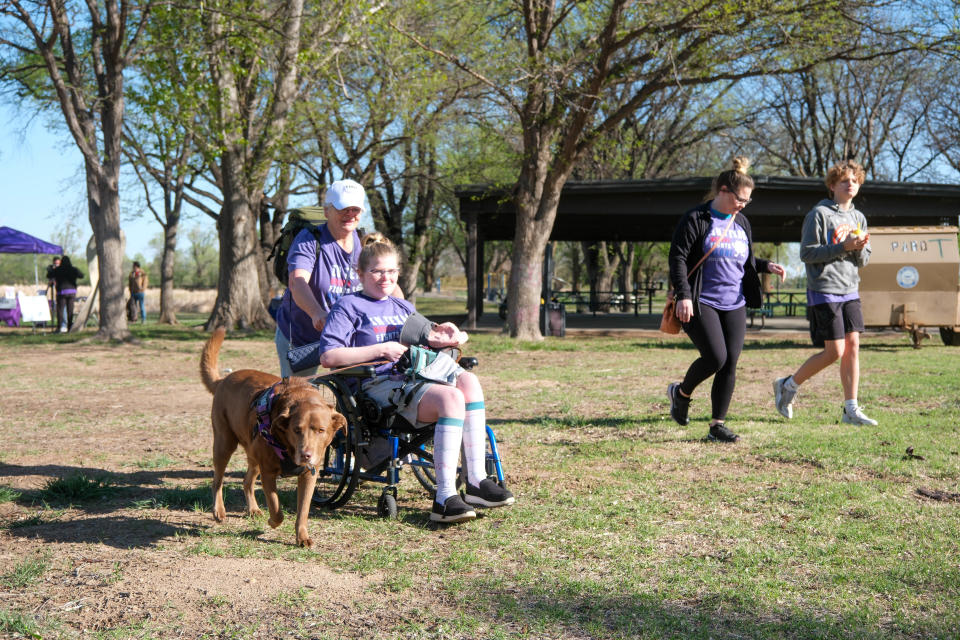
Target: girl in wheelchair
column 365, row 327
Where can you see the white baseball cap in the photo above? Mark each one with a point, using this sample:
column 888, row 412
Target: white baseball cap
column 345, row 193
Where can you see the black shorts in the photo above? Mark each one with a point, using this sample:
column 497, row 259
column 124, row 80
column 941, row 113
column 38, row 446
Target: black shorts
column 834, row 320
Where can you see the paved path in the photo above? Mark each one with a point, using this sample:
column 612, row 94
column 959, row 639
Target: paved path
column 627, row 323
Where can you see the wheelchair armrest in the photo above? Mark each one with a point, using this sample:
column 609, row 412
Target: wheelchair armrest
column 468, row 363
column 358, row 371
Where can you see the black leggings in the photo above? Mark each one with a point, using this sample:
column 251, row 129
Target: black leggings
column 719, row 337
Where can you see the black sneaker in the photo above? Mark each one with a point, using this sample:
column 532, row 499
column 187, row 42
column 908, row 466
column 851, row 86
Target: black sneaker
column 488, row 494
column 679, row 405
column 720, row 433
column 453, row 510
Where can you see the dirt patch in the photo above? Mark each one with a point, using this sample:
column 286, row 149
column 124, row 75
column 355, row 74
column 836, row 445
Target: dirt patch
column 142, row 557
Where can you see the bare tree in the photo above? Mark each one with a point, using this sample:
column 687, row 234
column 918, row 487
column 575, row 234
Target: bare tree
column 874, row 111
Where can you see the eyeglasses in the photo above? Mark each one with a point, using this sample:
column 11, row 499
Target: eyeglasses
column 743, row 201
column 379, row 273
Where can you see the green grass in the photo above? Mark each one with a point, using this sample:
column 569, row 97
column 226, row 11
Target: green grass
column 19, row 625
column 182, row 499
column 77, row 488
column 627, row 525
column 431, row 306
column 157, row 462
column 8, row 495
column 25, row 573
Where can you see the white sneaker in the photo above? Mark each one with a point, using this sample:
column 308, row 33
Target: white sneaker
column 857, row 417
column 783, row 397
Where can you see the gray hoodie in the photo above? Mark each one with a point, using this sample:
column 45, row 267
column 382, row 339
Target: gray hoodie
column 830, row 269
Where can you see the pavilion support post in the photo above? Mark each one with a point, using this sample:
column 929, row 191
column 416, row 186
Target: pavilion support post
column 474, row 299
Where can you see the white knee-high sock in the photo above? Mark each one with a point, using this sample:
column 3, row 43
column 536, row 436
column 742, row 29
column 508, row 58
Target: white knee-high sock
column 446, row 450
column 475, row 442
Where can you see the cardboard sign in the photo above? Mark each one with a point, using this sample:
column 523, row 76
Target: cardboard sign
column 34, row 309
column 912, row 277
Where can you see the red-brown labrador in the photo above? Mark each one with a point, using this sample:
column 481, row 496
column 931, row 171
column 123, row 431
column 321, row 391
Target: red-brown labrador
column 294, row 415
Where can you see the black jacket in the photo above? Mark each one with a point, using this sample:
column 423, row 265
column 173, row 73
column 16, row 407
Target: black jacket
column 66, row 276
column 687, row 249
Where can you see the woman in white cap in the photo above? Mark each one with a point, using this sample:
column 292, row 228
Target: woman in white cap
column 321, row 268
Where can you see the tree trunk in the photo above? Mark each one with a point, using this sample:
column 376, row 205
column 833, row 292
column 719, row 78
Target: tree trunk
column 168, row 314
column 536, row 212
column 104, row 214
column 239, row 303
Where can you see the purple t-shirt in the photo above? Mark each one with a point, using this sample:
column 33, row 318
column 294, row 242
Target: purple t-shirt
column 819, row 297
column 333, row 273
column 723, row 268
column 359, row 321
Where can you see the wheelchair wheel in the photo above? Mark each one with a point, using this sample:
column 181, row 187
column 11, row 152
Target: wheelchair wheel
column 423, row 468
column 387, row 505
column 337, row 478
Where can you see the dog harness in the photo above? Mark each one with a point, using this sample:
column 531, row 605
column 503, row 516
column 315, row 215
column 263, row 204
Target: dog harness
column 263, row 405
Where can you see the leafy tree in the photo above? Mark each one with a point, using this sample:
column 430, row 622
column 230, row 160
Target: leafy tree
column 568, row 72
column 70, row 57
column 378, row 118
column 251, row 53
column 198, row 260
column 160, row 131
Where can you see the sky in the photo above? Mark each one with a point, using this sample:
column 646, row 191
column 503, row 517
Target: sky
column 41, row 179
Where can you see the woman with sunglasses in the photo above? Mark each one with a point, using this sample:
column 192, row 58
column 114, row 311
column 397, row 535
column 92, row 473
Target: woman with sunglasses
column 366, row 327
column 715, row 278
column 321, row 270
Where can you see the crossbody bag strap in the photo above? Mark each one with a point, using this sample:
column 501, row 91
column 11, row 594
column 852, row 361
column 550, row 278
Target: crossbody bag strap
column 713, row 246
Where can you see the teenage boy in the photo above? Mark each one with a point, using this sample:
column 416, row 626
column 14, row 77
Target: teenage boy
column 834, row 245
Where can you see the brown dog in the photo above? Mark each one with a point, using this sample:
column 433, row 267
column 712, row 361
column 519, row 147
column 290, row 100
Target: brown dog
column 299, row 420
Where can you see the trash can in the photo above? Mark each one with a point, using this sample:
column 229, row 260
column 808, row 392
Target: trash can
column 556, row 319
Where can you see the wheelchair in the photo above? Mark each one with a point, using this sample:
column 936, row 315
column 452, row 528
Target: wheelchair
column 378, row 445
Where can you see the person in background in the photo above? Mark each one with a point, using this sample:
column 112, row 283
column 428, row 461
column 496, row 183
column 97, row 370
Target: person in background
column 366, row 326
column 834, row 245
column 65, row 277
column 712, row 307
column 320, row 272
column 137, row 281
column 52, row 289
column 53, row 265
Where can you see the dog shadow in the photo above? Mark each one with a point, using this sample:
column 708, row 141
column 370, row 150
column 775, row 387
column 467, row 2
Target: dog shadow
column 118, row 531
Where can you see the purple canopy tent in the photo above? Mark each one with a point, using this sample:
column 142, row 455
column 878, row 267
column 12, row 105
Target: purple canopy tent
column 13, row 241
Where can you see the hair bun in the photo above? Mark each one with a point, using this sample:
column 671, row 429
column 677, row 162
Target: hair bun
column 375, row 237
column 741, row 164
